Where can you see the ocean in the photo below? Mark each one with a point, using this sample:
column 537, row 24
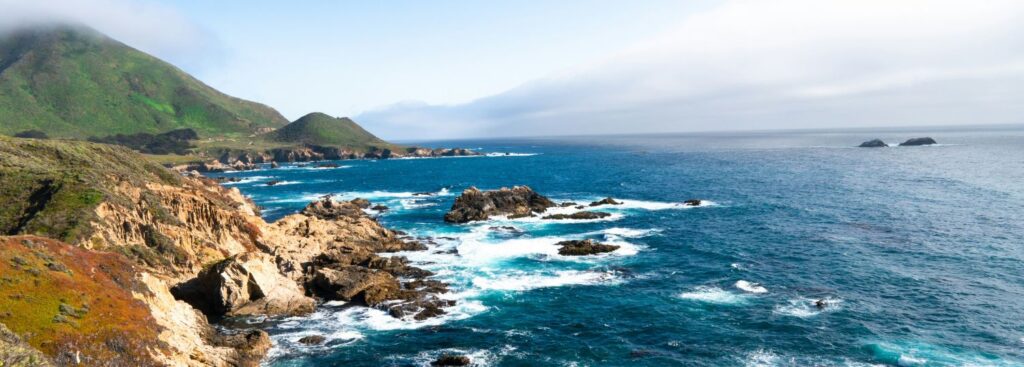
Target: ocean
column 916, row 253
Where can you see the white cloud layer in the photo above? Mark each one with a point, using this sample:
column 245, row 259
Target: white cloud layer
column 152, row 27
column 764, row 65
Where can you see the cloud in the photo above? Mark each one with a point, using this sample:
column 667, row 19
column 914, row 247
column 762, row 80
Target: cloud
column 768, row 64
column 147, row 25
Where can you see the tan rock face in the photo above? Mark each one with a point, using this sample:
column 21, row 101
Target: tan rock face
column 247, row 284
column 354, row 283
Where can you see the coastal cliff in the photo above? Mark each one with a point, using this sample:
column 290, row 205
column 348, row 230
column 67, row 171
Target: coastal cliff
column 109, row 259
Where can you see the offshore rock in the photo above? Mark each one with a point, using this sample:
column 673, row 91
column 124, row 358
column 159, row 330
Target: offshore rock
column 518, row 201
column 693, row 202
column 918, row 142
column 578, row 215
column 605, row 201
column 583, row 247
column 874, row 143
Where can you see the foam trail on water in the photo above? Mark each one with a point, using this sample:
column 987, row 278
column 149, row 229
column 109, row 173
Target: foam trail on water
column 750, row 287
column 805, row 307
column 714, row 295
column 526, row 281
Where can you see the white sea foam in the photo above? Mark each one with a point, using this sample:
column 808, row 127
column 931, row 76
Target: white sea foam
column 510, row 154
column 714, row 295
column 416, row 203
column 283, row 183
column 762, row 358
column 805, row 307
column 659, row 205
column 247, row 180
column 626, row 232
column 528, row 281
column 750, row 287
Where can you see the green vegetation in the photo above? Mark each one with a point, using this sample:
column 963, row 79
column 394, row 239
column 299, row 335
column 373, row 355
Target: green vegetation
column 52, row 187
column 176, row 142
column 69, row 302
column 73, row 82
column 320, row 129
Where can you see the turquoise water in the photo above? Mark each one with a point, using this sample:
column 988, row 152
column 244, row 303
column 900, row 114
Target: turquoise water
column 918, row 253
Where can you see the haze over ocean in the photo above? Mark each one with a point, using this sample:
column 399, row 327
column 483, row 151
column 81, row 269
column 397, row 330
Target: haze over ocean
column 915, row 251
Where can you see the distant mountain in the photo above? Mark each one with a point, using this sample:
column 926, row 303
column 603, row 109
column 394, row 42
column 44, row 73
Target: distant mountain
column 320, row 129
column 74, row 82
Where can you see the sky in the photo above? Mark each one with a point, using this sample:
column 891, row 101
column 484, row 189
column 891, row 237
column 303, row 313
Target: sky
column 420, row 70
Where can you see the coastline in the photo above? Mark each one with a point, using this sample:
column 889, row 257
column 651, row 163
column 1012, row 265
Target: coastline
column 194, row 251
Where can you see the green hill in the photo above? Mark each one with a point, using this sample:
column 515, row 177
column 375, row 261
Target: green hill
column 73, row 82
column 320, row 129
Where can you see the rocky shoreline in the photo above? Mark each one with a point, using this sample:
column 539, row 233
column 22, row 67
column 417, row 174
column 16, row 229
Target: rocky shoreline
column 176, row 252
column 234, row 160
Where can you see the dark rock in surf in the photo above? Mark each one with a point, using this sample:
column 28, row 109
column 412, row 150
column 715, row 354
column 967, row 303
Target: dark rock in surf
column 583, row 247
column 606, row 201
column 451, row 360
column 273, row 182
column 313, row 340
column 693, row 202
column 918, row 142
column 578, row 215
column 874, row 143
column 380, row 208
column 518, row 201
column 567, row 204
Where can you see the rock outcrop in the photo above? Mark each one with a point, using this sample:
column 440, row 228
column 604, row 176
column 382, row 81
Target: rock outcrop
column 693, row 202
column 578, row 215
column 246, row 284
column 583, row 247
column 874, row 143
column 14, row 352
column 474, row 205
column 136, row 230
column 605, row 201
column 451, row 360
column 918, row 142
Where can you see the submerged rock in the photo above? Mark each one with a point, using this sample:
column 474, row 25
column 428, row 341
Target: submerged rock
column 519, row 201
column 273, row 182
column 583, row 247
column 693, row 202
column 605, row 201
column 918, row 141
column 578, row 215
column 451, row 360
column 874, row 143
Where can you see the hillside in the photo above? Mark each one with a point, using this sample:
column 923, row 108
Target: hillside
column 320, row 129
column 73, row 82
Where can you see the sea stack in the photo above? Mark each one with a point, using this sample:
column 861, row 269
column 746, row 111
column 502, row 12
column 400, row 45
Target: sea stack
column 874, row 143
column 918, row 141
column 519, row 201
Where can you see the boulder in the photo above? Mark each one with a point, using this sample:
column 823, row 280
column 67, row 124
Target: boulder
column 361, row 203
column 874, row 143
column 605, row 201
column 380, row 208
column 918, row 141
column 692, row 202
column 247, row 284
column 329, row 209
column 313, row 340
column 451, row 360
column 356, row 283
column 578, row 215
column 583, row 247
column 475, row 205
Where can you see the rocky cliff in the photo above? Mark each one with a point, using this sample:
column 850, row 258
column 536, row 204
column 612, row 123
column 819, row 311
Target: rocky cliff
column 140, row 259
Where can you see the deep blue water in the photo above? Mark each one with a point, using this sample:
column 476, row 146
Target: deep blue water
column 917, row 251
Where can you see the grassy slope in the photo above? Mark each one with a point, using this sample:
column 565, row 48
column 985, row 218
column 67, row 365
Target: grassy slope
column 74, row 82
column 320, row 129
column 52, row 187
